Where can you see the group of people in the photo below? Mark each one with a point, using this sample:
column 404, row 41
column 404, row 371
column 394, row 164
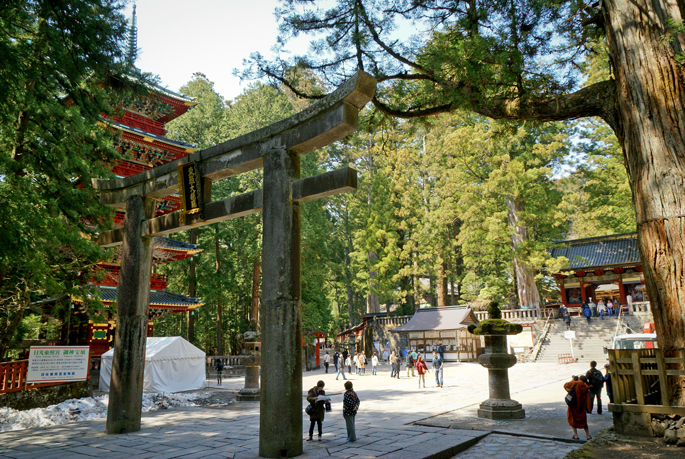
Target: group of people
column 581, row 393
column 317, row 401
column 344, row 359
column 589, row 309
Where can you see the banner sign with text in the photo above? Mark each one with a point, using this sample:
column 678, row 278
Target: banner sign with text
column 190, row 189
column 58, row 364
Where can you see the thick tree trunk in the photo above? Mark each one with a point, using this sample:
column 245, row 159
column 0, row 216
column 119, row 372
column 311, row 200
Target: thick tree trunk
column 372, row 302
column 650, row 126
column 525, row 277
column 15, row 314
column 219, row 319
column 192, row 288
column 442, row 285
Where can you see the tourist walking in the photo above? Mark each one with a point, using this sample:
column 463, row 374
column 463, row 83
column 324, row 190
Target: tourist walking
column 595, row 380
column 437, row 368
column 350, row 408
column 336, row 357
column 421, row 369
column 577, row 401
column 219, row 370
column 386, row 356
column 607, row 383
column 602, row 308
column 410, row 364
column 316, row 399
column 567, row 320
column 593, row 308
column 374, row 363
column 326, row 361
column 395, row 362
column 341, row 370
column 362, row 363
column 587, row 312
column 441, row 352
column 348, row 362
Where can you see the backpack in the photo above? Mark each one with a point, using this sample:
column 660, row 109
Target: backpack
column 571, row 399
column 219, row 365
column 597, row 379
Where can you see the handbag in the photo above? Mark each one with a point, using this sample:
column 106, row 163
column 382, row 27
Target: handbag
column 309, row 409
column 328, row 406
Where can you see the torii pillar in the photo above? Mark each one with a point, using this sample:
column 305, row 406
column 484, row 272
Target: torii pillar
column 280, row 430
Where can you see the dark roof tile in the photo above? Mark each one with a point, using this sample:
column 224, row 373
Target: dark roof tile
column 597, row 252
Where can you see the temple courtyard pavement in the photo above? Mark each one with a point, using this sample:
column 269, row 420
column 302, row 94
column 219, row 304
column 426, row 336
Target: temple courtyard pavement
column 396, row 419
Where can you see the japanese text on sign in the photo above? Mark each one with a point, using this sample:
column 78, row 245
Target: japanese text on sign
column 58, row 364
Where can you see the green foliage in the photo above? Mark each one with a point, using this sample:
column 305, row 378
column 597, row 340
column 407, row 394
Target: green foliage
column 61, row 68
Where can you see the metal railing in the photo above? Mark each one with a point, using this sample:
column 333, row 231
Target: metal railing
column 538, row 344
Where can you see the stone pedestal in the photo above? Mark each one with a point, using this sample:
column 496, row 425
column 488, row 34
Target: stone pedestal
column 498, row 361
column 252, row 360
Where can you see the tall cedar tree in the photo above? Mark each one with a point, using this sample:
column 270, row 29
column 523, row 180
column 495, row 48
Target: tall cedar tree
column 59, row 62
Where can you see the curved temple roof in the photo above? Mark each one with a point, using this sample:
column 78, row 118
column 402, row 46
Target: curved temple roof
column 600, row 252
column 440, row 318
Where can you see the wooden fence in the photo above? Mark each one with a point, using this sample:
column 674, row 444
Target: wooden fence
column 639, row 379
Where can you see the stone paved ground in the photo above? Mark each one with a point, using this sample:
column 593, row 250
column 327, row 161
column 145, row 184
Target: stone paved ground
column 511, row 447
column 386, row 424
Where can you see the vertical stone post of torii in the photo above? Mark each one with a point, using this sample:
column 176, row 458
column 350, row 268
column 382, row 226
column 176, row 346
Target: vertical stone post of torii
column 128, row 364
column 280, row 420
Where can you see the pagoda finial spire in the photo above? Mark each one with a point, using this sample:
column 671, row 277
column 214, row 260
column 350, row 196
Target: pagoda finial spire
column 132, row 40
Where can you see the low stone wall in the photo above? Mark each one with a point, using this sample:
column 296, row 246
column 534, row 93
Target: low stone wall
column 670, row 427
column 46, row 396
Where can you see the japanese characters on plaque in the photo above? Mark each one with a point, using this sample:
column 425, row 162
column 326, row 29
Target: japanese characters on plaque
column 190, row 188
column 58, row 364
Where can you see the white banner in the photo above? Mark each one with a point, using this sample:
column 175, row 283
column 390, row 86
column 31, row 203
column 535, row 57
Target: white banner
column 58, row 364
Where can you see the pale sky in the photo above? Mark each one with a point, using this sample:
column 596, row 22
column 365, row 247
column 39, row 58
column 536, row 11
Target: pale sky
column 177, row 38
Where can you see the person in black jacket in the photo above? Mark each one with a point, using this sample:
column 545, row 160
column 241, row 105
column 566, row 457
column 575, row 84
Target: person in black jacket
column 595, row 380
column 317, row 414
column 607, row 383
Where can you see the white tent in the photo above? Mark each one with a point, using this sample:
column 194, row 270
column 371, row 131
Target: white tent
column 172, row 364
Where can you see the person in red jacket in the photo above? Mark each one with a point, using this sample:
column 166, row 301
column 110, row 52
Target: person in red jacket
column 422, row 369
column 577, row 414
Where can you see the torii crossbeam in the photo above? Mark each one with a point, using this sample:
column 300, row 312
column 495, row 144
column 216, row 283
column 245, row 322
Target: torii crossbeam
column 277, row 149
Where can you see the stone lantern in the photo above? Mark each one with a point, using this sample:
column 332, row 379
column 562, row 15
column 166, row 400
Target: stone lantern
column 252, row 361
column 498, row 361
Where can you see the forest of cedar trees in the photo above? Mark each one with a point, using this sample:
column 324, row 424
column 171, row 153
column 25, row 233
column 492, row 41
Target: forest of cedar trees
column 459, row 197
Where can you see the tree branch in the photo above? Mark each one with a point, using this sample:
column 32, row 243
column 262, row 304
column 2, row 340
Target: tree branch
column 598, row 99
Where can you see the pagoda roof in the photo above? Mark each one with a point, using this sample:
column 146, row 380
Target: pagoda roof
column 615, row 250
column 174, row 95
column 159, row 299
column 171, row 244
column 160, row 138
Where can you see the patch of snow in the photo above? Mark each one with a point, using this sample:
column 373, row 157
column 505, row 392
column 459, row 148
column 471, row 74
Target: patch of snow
column 86, row 409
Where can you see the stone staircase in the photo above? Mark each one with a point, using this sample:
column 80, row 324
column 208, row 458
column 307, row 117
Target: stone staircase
column 588, row 344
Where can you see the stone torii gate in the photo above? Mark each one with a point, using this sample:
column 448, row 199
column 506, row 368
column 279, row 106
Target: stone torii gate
column 276, row 148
